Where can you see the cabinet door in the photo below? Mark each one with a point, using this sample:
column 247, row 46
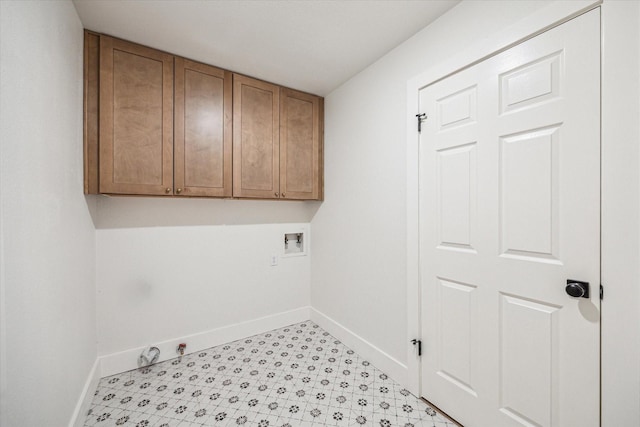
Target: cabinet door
column 203, row 130
column 300, row 145
column 136, row 119
column 255, row 138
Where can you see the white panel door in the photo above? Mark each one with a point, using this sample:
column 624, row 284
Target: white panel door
column 509, row 211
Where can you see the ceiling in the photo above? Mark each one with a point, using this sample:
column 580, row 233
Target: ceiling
column 309, row 45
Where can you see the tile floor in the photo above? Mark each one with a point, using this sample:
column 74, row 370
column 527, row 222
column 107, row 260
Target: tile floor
column 295, row 376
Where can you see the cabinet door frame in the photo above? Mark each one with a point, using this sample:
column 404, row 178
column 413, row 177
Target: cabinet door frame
column 181, row 66
column 91, row 111
column 286, row 189
column 239, row 81
column 107, row 184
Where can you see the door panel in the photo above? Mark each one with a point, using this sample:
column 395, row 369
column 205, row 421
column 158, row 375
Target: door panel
column 529, row 165
column 300, row 141
column 256, row 140
column 203, row 129
column 457, row 192
column 509, row 205
column 531, row 83
column 458, row 338
column 457, row 109
column 136, row 119
column 528, row 362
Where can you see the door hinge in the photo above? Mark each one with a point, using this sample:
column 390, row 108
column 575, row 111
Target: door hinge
column 601, row 292
column 419, row 344
column 421, row 118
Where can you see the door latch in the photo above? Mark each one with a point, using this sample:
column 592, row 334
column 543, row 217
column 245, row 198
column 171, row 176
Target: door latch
column 419, row 344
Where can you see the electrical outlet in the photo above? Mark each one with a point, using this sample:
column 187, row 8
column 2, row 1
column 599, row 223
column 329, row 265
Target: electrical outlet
column 274, row 260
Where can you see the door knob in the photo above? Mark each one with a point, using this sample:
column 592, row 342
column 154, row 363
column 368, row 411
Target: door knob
column 577, row 289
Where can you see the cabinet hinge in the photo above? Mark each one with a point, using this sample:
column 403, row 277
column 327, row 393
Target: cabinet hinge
column 419, row 344
column 421, row 118
column 601, row 292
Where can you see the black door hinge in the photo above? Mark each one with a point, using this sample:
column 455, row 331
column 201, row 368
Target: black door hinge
column 601, row 292
column 420, row 118
column 419, row 344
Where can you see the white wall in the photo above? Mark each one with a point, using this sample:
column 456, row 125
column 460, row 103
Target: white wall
column 131, row 212
column 161, row 283
column 171, row 268
column 359, row 262
column 48, row 239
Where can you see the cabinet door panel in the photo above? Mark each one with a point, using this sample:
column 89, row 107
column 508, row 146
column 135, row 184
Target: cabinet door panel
column 255, row 138
column 136, row 123
column 300, row 143
column 203, row 130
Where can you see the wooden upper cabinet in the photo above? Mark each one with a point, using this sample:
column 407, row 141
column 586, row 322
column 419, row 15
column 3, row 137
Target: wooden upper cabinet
column 158, row 124
column 256, row 135
column 136, row 119
column 300, row 145
column 203, row 130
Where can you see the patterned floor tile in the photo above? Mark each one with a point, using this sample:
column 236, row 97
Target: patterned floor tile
column 297, row 376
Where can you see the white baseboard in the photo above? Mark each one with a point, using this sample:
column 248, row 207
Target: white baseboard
column 127, row 360
column 381, row 360
column 86, row 397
